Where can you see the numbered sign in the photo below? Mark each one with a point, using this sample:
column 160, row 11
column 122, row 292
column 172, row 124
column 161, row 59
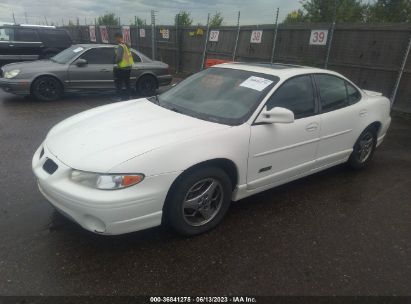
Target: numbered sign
column 104, row 34
column 126, row 34
column 319, row 37
column 256, row 36
column 214, row 36
column 143, row 33
column 92, row 31
column 165, row 33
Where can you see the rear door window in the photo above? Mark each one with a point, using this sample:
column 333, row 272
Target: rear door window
column 99, row 56
column 354, row 95
column 27, row 35
column 6, row 34
column 333, row 92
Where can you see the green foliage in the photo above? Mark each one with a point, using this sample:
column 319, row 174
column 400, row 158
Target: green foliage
column 389, row 11
column 183, row 19
column 216, row 20
column 352, row 11
column 295, row 17
column 108, row 19
column 324, row 10
column 139, row 22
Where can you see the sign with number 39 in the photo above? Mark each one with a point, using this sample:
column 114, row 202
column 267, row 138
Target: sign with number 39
column 256, row 36
column 318, row 37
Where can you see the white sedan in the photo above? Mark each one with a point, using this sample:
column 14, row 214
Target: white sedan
column 221, row 135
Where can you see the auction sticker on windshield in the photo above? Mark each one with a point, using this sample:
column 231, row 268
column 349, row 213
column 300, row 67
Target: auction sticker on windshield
column 256, row 83
column 79, row 49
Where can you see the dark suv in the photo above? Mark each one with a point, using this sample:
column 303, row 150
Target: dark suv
column 31, row 42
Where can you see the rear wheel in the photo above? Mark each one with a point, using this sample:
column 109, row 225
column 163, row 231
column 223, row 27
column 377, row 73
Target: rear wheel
column 47, row 88
column 147, row 86
column 364, row 148
column 199, row 201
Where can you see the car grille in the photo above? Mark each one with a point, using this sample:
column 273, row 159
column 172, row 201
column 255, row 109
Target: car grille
column 50, row 166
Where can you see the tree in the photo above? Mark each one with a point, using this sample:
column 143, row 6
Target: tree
column 183, row 19
column 324, row 11
column 390, row 11
column 108, row 19
column 216, row 20
column 295, row 17
column 139, row 22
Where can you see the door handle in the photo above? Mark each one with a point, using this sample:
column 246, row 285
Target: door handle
column 104, row 70
column 312, row 127
column 11, row 45
column 363, row 113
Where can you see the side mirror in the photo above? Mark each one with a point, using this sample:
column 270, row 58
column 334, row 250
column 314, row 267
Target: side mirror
column 81, row 62
column 275, row 115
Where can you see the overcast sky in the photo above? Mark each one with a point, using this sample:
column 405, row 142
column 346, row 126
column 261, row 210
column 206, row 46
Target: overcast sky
column 252, row 11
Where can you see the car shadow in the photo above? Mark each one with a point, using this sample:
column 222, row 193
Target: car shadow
column 274, row 201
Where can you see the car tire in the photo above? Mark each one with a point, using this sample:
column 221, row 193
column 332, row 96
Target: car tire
column 147, row 86
column 364, row 148
column 199, row 201
column 47, row 88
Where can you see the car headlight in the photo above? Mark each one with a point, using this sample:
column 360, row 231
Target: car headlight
column 11, row 74
column 106, row 181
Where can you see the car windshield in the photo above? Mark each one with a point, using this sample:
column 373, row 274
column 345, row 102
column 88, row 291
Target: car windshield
column 68, row 54
column 220, row 95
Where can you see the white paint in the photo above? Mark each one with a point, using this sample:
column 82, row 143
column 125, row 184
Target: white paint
column 256, row 83
column 214, row 36
column 138, row 136
column 92, row 32
column 319, row 37
column 256, row 36
column 104, row 34
column 142, row 33
column 125, row 30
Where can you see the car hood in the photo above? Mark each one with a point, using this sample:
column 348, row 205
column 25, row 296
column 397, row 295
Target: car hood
column 27, row 65
column 99, row 139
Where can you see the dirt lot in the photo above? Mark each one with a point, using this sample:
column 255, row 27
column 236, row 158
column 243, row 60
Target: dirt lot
column 338, row 232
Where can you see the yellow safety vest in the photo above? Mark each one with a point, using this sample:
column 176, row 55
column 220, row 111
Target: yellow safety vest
column 127, row 60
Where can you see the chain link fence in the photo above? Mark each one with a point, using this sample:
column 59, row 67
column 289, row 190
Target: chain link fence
column 373, row 56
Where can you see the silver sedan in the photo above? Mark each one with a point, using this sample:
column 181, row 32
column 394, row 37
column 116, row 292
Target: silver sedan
column 80, row 67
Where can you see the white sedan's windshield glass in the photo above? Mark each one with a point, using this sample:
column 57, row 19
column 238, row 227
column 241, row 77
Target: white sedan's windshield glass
column 219, row 94
column 68, row 54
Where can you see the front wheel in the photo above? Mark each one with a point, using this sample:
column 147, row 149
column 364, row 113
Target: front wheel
column 199, row 201
column 147, row 86
column 47, row 88
column 364, row 148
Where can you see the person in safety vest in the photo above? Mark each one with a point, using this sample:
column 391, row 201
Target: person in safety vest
column 122, row 69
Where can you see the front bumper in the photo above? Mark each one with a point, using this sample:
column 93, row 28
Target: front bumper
column 164, row 80
column 102, row 211
column 15, row 86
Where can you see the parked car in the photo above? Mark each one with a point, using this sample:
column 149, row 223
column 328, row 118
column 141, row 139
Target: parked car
column 31, row 42
column 78, row 68
column 221, row 135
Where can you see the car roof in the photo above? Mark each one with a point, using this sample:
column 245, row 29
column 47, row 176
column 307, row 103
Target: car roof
column 280, row 70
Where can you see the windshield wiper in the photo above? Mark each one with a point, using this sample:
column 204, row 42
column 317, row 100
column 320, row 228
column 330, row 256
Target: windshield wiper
column 155, row 99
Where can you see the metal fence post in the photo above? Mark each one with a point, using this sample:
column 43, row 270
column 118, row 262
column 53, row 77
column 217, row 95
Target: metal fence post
column 238, row 36
column 330, row 39
column 398, row 81
column 205, row 43
column 177, row 44
column 275, row 35
column 153, row 35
